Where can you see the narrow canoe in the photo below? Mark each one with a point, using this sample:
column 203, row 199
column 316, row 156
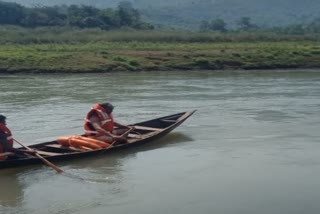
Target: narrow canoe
column 144, row 132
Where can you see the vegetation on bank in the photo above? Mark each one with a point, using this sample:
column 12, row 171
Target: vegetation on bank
column 126, row 16
column 87, row 39
column 63, row 35
column 24, row 50
column 72, row 16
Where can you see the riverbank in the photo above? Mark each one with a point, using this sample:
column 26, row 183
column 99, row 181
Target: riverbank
column 147, row 56
column 138, row 51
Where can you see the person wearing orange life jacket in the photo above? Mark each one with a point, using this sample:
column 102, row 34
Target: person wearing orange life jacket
column 99, row 124
column 6, row 142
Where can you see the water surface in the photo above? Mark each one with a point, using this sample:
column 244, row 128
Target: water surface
column 251, row 147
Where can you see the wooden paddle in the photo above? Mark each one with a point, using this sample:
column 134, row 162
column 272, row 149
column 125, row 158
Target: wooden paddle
column 42, row 158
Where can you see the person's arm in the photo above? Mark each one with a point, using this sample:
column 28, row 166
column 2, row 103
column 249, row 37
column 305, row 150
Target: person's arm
column 8, row 148
column 4, row 142
column 96, row 124
column 119, row 125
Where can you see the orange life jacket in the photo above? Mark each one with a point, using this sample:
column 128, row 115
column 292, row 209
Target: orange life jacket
column 106, row 120
column 82, row 142
column 8, row 134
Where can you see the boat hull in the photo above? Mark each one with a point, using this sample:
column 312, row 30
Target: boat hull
column 148, row 131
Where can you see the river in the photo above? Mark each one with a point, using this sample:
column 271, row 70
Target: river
column 252, row 147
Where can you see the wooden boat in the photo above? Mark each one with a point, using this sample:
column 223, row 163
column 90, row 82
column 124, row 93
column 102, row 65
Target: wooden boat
column 144, row 132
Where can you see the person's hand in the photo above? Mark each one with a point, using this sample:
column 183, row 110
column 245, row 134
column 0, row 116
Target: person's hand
column 10, row 153
column 116, row 137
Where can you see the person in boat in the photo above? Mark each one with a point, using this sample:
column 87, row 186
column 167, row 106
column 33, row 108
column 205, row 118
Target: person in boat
column 99, row 124
column 6, row 142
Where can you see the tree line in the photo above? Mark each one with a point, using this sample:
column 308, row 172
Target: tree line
column 74, row 16
column 124, row 16
column 245, row 24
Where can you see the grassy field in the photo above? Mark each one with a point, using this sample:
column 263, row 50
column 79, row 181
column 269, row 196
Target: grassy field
column 92, row 52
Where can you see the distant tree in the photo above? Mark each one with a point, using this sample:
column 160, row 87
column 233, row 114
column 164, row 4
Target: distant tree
column 88, row 11
column 128, row 15
column 90, row 22
column 218, row 25
column 35, row 18
column 79, row 16
column 245, row 24
column 125, row 5
column 55, row 16
column 109, row 18
column 83, row 16
column 11, row 13
column 74, row 15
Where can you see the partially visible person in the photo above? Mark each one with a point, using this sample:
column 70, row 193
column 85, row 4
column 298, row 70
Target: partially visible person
column 6, row 142
column 99, row 124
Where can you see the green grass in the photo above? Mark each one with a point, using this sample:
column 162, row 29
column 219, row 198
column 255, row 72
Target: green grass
column 65, row 50
column 133, row 56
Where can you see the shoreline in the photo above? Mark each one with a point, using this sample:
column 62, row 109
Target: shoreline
column 146, row 56
column 229, row 70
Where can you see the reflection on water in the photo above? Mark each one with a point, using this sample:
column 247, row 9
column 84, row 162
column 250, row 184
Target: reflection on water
column 11, row 193
column 22, row 182
column 95, row 169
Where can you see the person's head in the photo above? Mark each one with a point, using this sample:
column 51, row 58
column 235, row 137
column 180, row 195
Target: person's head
column 108, row 107
column 2, row 119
